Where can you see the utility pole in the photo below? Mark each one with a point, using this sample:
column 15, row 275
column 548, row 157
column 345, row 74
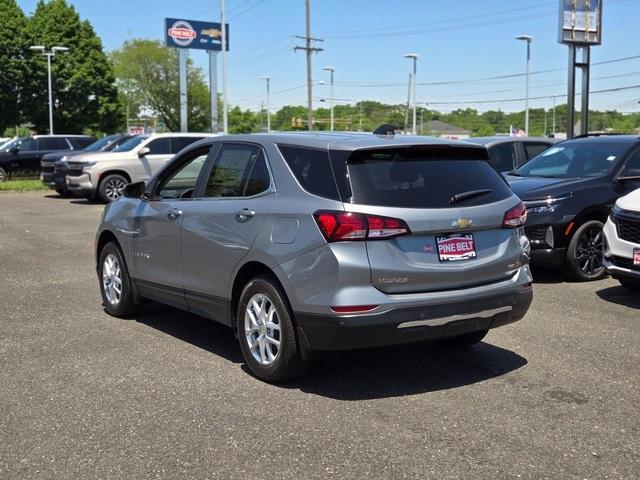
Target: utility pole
column 309, row 49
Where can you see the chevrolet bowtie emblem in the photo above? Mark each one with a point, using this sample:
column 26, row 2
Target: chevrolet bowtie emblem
column 462, row 223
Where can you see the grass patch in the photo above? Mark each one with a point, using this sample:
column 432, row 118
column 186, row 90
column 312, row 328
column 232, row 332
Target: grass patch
column 22, row 185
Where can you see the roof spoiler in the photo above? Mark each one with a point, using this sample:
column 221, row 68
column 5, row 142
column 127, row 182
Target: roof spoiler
column 385, row 129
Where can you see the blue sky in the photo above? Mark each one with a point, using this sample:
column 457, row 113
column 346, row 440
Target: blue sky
column 365, row 41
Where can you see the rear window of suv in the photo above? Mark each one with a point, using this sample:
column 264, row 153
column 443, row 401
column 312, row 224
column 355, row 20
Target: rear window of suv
column 418, row 177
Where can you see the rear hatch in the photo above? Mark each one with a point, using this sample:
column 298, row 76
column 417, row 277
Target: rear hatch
column 454, row 206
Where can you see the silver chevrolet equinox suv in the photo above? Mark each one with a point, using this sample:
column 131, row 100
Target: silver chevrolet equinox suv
column 305, row 243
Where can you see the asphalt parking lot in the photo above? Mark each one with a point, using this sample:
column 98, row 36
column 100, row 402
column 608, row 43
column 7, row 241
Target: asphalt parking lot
column 85, row 395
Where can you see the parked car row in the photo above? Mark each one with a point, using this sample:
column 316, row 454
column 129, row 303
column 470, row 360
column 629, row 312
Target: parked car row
column 103, row 169
column 23, row 157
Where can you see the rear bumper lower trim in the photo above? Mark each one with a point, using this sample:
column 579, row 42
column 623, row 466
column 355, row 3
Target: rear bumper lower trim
column 436, row 322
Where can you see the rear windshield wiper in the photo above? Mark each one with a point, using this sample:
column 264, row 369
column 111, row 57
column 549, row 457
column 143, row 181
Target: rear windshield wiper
column 459, row 197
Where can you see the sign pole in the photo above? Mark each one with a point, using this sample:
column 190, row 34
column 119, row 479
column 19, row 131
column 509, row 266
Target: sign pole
column 182, row 57
column 213, row 87
column 571, row 92
column 225, row 119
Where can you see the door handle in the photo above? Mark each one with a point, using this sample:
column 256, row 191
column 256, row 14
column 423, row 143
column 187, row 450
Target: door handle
column 174, row 213
column 245, row 214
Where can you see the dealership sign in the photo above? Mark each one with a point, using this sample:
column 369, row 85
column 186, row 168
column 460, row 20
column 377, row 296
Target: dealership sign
column 180, row 33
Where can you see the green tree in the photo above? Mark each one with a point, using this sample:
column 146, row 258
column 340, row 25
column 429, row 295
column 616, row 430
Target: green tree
column 86, row 98
column 12, row 64
column 149, row 73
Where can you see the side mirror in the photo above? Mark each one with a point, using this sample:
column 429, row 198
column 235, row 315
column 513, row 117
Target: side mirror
column 134, row 190
column 14, row 150
column 144, row 151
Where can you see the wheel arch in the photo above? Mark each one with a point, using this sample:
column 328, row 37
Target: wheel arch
column 594, row 212
column 105, row 237
column 117, row 171
column 245, row 273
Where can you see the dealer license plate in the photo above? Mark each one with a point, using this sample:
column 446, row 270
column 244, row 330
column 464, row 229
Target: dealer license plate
column 456, row 247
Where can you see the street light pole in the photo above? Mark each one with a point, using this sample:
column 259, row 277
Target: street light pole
column 331, row 69
column 528, row 39
column 268, row 79
column 225, row 108
column 51, row 53
column 414, row 57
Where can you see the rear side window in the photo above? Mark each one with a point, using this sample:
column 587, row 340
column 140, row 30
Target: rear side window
column 503, row 157
column 423, row 177
column 312, row 170
column 534, row 149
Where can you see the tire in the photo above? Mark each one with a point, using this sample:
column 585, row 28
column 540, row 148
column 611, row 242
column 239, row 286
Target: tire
column 584, row 254
column 62, row 192
column 112, row 267
column 3, row 174
column 111, row 187
column 630, row 285
column 266, row 360
column 464, row 341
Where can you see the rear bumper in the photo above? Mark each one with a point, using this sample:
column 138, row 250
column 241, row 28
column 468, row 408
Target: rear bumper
column 411, row 324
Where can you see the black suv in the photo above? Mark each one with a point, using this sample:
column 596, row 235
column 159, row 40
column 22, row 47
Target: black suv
column 508, row 153
column 569, row 190
column 25, row 158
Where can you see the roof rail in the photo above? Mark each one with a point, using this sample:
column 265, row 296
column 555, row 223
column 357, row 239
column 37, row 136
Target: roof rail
column 385, row 129
column 598, row 134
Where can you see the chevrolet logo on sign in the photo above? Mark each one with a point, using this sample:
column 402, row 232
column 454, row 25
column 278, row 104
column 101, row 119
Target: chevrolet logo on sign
column 462, row 223
column 211, row 32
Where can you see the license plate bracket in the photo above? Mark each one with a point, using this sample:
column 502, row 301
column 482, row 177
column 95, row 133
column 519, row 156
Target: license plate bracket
column 456, row 247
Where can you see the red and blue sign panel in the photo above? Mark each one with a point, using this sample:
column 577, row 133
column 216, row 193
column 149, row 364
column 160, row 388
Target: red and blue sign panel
column 180, row 33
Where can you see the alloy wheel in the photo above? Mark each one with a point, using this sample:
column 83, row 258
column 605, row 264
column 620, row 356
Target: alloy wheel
column 113, row 188
column 589, row 251
column 262, row 329
column 112, row 279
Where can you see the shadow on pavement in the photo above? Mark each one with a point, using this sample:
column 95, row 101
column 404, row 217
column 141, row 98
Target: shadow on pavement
column 405, row 370
column 353, row 375
column 198, row 331
column 620, row 295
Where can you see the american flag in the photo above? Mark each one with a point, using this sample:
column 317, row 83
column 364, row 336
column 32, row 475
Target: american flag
column 516, row 132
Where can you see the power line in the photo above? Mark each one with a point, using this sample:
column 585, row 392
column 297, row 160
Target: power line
column 474, row 80
column 542, row 97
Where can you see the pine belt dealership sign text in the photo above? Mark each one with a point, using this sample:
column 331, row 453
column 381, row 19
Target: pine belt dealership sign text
column 180, row 33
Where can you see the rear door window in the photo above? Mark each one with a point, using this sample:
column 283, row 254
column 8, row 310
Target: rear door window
column 160, row 146
column 79, row 143
column 53, row 143
column 238, row 171
column 423, row 177
column 178, row 143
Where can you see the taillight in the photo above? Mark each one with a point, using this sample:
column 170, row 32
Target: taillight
column 515, row 217
column 338, row 226
column 354, row 308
